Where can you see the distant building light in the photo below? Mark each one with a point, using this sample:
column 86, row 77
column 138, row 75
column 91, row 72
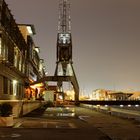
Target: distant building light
column 46, row 73
column 60, row 97
column 37, row 49
column 72, row 114
column 39, row 85
column 136, row 105
column 30, row 30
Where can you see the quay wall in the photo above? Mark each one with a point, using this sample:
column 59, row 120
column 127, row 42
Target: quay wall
column 122, row 112
column 22, row 107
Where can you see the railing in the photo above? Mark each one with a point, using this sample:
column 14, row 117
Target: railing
column 118, row 102
column 123, row 111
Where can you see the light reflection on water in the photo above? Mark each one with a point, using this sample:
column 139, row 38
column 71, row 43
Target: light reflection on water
column 60, row 112
column 66, row 114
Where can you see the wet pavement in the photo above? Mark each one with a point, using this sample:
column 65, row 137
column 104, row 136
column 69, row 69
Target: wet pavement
column 71, row 123
column 56, row 117
column 51, row 124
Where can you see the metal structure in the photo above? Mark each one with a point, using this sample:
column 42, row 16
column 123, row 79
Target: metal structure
column 64, row 71
column 64, row 67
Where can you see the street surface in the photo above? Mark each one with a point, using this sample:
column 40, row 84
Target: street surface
column 116, row 128
column 71, row 123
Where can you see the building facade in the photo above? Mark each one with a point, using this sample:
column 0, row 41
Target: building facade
column 20, row 64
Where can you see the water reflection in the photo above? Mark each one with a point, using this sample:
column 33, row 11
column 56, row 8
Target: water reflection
column 60, row 112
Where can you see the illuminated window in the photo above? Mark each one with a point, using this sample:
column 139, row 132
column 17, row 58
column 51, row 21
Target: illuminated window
column 29, row 30
column 14, row 87
column 0, row 47
column 37, row 49
column 64, row 38
column 5, row 52
column 15, row 56
column 3, row 49
column 23, row 66
column 20, row 62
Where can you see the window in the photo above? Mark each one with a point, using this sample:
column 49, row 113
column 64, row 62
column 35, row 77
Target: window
column 20, row 62
column 15, row 57
column 4, row 48
column 19, row 90
column 0, row 47
column 11, row 87
column 8, row 86
column 5, row 52
column 5, row 85
column 14, row 87
column 64, row 38
column 23, row 66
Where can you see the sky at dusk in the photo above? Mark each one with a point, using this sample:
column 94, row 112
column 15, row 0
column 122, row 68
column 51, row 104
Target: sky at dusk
column 105, row 34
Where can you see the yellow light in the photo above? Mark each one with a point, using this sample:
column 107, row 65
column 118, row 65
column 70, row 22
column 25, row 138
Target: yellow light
column 14, row 82
column 37, row 85
column 29, row 29
column 37, row 49
column 15, row 87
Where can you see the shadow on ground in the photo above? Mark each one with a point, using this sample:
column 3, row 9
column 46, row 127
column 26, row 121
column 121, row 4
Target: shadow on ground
column 37, row 112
